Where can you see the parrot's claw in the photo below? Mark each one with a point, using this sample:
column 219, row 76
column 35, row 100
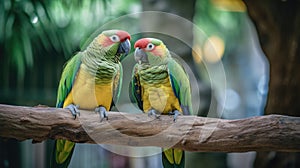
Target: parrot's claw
column 103, row 113
column 153, row 112
column 74, row 110
column 175, row 114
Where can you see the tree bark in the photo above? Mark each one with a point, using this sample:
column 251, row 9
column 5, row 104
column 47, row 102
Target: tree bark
column 191, row 133
column 278, row 26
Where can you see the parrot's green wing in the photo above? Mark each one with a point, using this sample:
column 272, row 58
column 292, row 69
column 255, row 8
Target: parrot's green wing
column 63, row 149
column 181, row 86
column 174, row 158
column 135, row 88
column 117, row 85
column 67, row 79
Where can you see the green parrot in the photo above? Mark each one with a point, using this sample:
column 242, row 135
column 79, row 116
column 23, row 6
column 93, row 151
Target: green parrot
column 90, row 80
column 160, row 86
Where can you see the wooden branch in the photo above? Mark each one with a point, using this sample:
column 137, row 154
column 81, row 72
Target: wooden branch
column 191, row 133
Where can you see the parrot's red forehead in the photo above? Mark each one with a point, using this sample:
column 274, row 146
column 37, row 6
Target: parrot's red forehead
column 123, row 35
column 142, row 43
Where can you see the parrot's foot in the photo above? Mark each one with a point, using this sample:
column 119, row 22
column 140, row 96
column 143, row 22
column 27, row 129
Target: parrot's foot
column 102, row 111
column 74, row 110
column 153, row 112
column 176, row 113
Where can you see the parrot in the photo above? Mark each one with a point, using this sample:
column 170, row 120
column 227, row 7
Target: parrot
column 160, row 85
column 91, row 80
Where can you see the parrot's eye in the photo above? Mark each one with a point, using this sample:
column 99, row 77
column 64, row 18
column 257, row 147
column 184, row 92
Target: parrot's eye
column 150, row 46
column 114, row 38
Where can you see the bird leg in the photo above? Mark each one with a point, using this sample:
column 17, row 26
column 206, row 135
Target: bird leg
column 176, row 113
column 153, row 112
column 74, row 110
column 102, row 111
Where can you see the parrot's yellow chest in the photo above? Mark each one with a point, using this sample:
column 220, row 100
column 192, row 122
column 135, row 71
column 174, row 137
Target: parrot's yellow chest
column 160, row 97
column 89, row 95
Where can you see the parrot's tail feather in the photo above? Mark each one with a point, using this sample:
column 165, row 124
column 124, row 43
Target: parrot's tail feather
column 173, row 158
column 62, row 150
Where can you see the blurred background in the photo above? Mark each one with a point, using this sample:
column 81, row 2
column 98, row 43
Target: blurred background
column 38, row 36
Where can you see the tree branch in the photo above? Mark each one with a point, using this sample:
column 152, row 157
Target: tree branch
column 191, row 133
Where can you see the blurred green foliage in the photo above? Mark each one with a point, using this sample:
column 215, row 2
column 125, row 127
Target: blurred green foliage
column 31, row 27
column 38, row 36
column 222, row 19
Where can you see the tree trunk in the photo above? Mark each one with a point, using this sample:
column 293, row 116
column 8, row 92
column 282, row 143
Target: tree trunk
column 278, row 26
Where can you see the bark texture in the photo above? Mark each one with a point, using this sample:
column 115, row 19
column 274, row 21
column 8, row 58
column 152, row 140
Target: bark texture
column 191, row 133
column 278, row 27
